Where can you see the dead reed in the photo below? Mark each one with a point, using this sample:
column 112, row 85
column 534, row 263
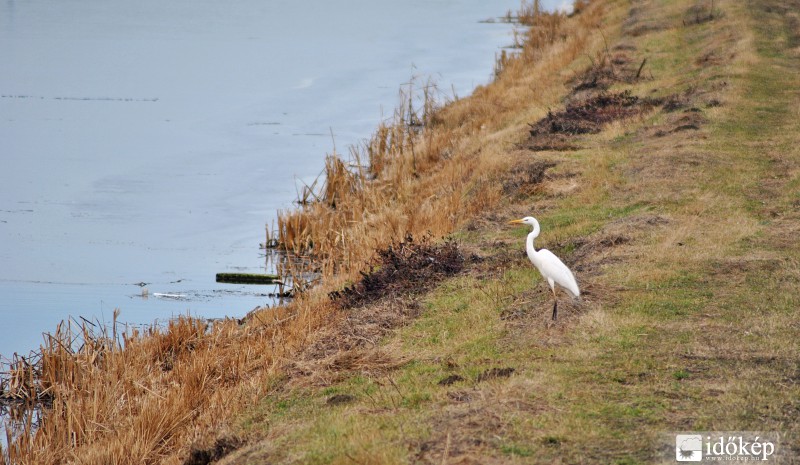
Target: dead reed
column 147, row 396
column 143, row 396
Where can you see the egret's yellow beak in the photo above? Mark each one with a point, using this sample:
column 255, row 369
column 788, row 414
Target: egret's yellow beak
column 515, row 222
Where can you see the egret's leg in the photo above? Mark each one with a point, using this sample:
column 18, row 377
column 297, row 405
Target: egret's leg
column 555, row 305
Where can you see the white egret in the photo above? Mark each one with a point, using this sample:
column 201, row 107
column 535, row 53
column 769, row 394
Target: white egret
column 550, row 266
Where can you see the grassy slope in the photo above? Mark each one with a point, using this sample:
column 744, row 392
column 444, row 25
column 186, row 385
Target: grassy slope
column 684, row 243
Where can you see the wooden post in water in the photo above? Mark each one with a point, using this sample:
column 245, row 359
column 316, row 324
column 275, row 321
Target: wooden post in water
column 248, row 278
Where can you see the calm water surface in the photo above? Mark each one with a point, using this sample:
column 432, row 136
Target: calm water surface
column 151, row 140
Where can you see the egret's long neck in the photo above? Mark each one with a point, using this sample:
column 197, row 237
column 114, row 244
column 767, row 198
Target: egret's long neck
column 531, row 236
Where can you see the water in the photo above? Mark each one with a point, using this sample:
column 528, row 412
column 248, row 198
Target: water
column 151, row 141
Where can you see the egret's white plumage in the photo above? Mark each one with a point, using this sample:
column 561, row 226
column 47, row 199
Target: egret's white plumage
column 550, row 266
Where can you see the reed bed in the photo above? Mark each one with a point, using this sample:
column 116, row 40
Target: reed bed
column 143, row 396
column 147, row 396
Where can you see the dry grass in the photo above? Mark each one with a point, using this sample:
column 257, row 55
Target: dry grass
column 145, row 397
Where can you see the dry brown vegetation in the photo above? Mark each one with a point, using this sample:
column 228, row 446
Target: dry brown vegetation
column 403, row 268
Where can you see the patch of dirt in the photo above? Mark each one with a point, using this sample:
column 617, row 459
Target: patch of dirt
column 689, row 120
column 710, row 58
column 676, row 102
column 597, row 77
column 221, row 447
column 590, row 106
column 525, row 178
column 450, row 380
column 693, row 97
column 494, row 373
column 339, row 399
column 701, row 12
column 404, row 268
column 590, row 115
column 494, row 257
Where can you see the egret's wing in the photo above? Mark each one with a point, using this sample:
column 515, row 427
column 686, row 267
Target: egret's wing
column 552, row 267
